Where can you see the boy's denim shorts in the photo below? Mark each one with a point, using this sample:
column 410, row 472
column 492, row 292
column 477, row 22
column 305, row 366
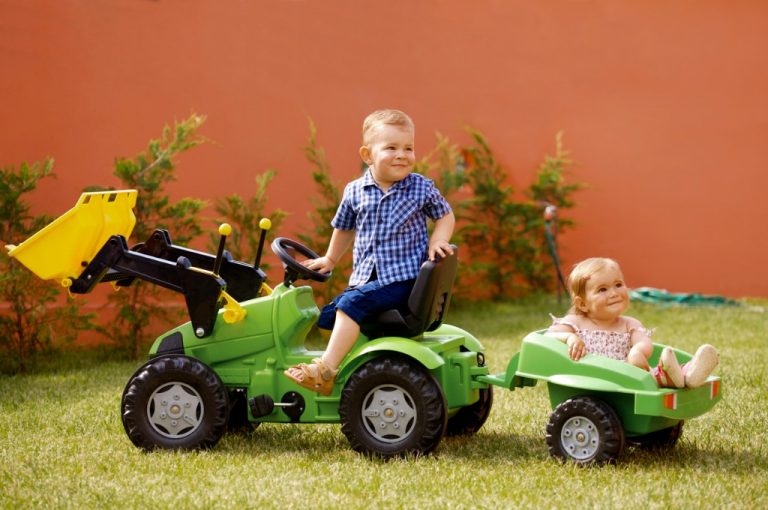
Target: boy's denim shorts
column 366, row 300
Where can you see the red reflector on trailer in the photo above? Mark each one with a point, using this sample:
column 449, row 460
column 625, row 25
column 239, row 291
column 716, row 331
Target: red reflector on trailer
column 670, row 400
column 714, row 389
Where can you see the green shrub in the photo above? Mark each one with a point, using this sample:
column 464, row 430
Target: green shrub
column 244, row 215
column 445, row 164
column 36, row 319
column 500, row 233
column 325, row 201
column 149, row 172
column 550, row 187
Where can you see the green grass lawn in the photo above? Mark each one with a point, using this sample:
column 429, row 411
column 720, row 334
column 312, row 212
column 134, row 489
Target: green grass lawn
column 62, row 444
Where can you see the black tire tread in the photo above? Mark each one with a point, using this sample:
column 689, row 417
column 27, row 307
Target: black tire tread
column 612, row 438
column 165, row 369
column 663, row 439
column 470, row 419
column 405, row 373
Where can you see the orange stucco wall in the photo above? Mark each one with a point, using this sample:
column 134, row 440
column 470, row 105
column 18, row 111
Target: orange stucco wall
column 663, row 105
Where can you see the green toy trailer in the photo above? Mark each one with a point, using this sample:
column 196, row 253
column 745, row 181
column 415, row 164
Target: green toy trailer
column 408, row 381
column 601, row 404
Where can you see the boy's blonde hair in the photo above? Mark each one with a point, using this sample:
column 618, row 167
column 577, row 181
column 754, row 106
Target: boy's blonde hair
column 581, row 273
column 381, row 117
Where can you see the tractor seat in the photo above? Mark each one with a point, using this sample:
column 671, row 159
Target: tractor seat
column 427, row 304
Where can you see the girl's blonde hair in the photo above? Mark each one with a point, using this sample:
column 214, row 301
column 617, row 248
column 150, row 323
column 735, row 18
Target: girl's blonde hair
column 381, row 117
column 581, row 273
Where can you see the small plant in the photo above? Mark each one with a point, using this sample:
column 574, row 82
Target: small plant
column 30, row 324
column 244, row 216
column 447, row 161
column 550, row 188
column 325, row 209
column 501, row 236
column 489, row 222
column 149, row 172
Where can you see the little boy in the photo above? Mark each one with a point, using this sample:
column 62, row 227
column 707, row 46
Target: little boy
column 384, row 213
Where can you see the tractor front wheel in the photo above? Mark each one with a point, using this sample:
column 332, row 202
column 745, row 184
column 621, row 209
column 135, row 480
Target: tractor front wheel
column 585, row 430
column 175, row 402
column 392, row 407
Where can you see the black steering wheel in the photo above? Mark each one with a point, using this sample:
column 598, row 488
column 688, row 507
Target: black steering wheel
column 284, row 248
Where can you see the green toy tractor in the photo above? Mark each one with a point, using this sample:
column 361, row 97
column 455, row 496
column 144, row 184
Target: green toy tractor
column 393, row 394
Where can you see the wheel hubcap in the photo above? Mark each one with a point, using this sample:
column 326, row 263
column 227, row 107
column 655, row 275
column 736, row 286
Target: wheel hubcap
column 580, row 438
column 389, row 413
column 175, row 410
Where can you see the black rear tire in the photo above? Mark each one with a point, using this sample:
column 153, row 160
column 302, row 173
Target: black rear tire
column 663, row 439
column 392, row 407
column 585, row 430
column 175, row 402
column 468, row 420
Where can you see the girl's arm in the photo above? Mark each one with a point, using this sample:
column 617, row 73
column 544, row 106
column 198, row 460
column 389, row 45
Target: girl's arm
column 642, row 346
column 577, row 349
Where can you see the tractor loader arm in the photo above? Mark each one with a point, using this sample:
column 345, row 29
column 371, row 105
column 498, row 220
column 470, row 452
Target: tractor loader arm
column 87, row 245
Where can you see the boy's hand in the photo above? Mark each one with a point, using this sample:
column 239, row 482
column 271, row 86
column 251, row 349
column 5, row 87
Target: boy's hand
column 321, row 264
column 438, row 244
column 439, row 247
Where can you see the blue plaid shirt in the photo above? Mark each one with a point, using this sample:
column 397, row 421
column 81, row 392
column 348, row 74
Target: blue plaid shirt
column 391, row 228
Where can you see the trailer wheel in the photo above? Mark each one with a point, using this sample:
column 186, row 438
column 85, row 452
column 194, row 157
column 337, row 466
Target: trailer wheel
column 585, row 430
column 663, row 439
column 175, row 402
column 392, row 407
column 469, row 419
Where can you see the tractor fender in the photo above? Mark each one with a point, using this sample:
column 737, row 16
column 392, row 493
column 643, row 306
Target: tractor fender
column 425, row 356
column 470, row 342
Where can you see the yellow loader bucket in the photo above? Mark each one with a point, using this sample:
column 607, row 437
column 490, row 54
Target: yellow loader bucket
column 63, row 248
